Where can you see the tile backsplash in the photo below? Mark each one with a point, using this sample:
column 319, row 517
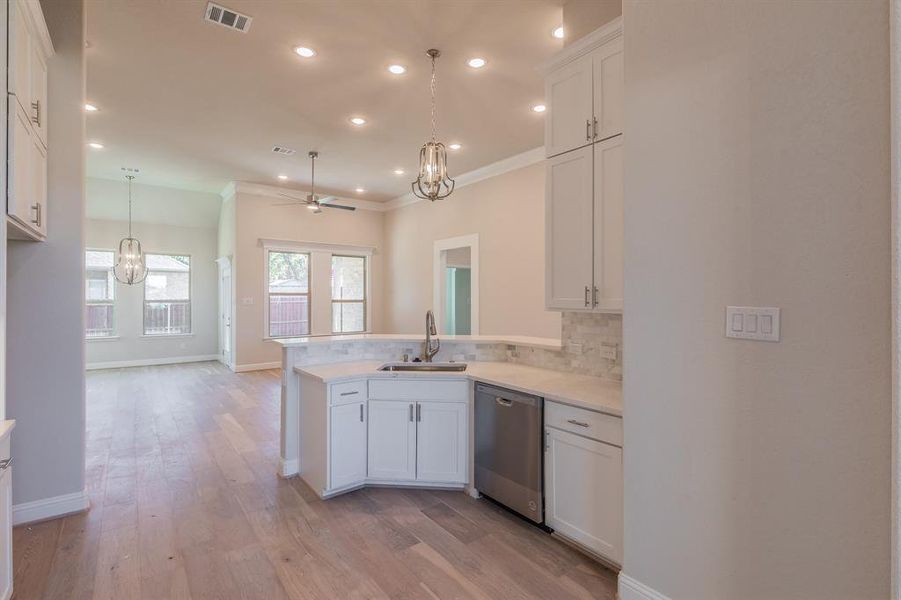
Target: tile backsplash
column 588, row 340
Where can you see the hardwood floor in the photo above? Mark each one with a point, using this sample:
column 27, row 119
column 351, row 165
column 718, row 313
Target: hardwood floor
column 181, row 464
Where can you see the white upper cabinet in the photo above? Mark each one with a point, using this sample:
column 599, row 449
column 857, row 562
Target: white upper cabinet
column 568, row 120
column 569, row 230
column 584, row 91
column 29, row 50
column 608, row 225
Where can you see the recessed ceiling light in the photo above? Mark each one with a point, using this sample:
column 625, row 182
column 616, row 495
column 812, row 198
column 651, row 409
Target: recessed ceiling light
column 398, row 171
column 477, row 63
column 358, row 121
column 455, row 146
column 283, row 177
column 359, row 190
column 95, row 145
column 304, row 52
column 397, row 69
column 539, row 108
column 558, row 33
column 91, row 108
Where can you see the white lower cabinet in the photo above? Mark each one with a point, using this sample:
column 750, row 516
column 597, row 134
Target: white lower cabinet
column 347, row 445
column 441, row 442
column 6, row 538
column 392, row 440
column 584, row 491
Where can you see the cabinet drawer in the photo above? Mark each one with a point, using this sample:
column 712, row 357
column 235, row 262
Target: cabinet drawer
column 348, row 391
column 594, row 425
column 418, row 389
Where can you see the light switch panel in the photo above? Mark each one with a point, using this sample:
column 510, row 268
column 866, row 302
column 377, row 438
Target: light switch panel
column 752, row 323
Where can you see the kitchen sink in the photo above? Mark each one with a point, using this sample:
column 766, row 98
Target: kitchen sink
column 424, row 367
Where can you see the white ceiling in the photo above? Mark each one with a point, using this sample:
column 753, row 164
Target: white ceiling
column 195, row 105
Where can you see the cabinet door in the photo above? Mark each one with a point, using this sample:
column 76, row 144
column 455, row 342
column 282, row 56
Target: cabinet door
column 38, row 182
column 19, row 156
column 607, row 80
column 584, row 491
column 441, row 442
column 347, row 445
column 19, row 77
column 6, row 523
column 608, row 224
column 37, row 107
column 392, row 440
column 567, row 122
column 569, row 230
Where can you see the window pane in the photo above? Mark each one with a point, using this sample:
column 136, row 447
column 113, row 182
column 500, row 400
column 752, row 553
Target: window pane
column 99, row 320
column 167, row 318
column 99, row 259
column 289, row 272
column 348, row 277
column 348, row 317
column 99, row 285
column 289, row 316
column 167, row 286
column 167, row 262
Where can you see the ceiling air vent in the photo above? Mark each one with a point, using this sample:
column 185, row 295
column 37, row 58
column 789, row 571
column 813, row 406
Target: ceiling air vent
column 227, row 18
column 283, row 151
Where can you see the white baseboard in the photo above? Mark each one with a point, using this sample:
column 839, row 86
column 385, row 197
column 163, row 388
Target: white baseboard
column 50, row 508
column 631, row 589
column 258, row 366
column 288, row 468
column 149, row 362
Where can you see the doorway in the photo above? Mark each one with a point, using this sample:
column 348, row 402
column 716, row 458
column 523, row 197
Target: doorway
column 456, row 291
column 225, row 312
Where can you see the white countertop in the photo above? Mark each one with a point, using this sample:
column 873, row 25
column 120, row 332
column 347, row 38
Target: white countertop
column 592, row 393
column 515, row 340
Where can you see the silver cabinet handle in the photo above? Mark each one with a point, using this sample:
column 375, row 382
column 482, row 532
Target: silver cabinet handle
column 36, row 119
column 418, row 412
column 578, row 423
column 4, row 464
column 37, row 214
column 411, row 413
column 361, row 413
column 594, row 296
column 587, row 292
column 595, row 121
column 547, row 440
column 354, row 393
column 587, row 130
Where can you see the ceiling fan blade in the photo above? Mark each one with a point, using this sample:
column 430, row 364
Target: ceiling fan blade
column 327, row 199
column 291, row 197
column 323, row 205
column 296, row 203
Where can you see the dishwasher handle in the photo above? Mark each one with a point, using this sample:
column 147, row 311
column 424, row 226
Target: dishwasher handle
column 506, row 398
column 503, row 401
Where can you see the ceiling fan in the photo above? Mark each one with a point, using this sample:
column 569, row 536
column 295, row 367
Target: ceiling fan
column 313, row 202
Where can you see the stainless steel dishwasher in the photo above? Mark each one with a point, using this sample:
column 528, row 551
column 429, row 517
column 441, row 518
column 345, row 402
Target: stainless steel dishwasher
column 508, row 449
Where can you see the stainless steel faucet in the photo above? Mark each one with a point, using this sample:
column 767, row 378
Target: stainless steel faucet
column 430, row 330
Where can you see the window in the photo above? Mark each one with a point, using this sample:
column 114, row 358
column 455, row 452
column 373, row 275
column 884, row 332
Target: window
column 167, row 295
column 348, row 294
column 100, row 294
column 288, row 275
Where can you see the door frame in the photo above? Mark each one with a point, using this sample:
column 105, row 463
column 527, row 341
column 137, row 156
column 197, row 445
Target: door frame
column 226, row 302
column 895, row 90
column 439, row 278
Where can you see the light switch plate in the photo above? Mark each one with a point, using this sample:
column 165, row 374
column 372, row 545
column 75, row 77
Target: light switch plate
column 761, row 323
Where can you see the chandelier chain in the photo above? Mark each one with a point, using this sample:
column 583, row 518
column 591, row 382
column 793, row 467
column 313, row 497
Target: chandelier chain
column 129, row 178
column 433, row 86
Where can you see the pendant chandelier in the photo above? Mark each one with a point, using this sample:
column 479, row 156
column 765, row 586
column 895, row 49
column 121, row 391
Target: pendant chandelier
column 131, row 267
column 433, row 182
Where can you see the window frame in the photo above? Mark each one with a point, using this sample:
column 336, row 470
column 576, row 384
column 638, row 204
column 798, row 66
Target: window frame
column 365, row 300
column 144, row 300
column 114, row 332
column 267, row 325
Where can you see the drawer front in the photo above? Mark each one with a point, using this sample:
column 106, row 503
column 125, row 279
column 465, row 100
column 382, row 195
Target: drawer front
column 594, row 425
column 348, row 391
column 419, row 390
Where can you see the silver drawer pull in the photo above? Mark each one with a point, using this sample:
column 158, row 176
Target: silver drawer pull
column 579, row 423
column 4, row 464
column 350, row 393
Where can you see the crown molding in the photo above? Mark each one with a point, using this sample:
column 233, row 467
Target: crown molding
column 584, row 45
column 229, row 191
column 511, row 163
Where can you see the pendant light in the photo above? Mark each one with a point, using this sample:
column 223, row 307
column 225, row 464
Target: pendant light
column 131, row 266
column 433, row 182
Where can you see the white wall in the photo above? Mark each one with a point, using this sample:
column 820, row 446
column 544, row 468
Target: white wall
column 45, row 362
column 107, row 200
column 507, row 211
column 130, row 345
column 256, row 218
column 757, row 173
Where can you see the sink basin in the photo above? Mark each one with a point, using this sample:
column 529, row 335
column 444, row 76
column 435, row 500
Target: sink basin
column 424, row 367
